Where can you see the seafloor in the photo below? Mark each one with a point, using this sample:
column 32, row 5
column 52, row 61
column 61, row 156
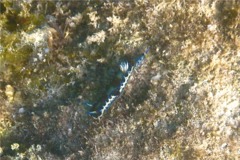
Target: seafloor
column 183, row 102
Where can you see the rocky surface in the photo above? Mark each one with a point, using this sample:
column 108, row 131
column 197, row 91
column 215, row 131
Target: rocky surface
column 182, row 103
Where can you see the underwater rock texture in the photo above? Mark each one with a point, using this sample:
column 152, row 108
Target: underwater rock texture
column 182, row 103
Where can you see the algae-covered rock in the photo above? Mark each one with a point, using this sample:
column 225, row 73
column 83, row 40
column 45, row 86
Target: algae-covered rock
column 58, row 58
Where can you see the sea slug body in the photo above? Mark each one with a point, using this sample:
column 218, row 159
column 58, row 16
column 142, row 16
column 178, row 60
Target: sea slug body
column 127, row 71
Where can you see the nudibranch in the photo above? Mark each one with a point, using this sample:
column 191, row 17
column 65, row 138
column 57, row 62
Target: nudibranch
column 126, row 71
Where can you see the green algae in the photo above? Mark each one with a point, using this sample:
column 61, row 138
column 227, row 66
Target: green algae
column 17, row 17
